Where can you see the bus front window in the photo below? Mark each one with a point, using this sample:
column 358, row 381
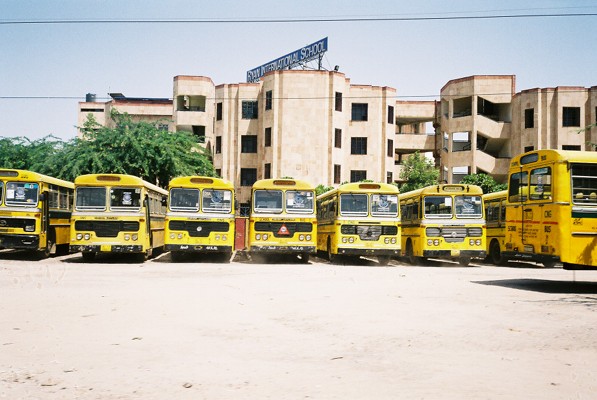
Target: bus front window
column 184, row 199
column 468, row 206
column 125, row 198
column 384, row 205
column 353, row 205
column 267, row 201
column 217, row 200
column 90, row 198
column 438, row 207
column 299, row 201
column 22, row 194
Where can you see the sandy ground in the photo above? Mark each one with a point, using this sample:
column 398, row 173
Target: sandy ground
column 162, row 330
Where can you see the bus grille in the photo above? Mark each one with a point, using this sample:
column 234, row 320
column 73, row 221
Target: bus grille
column 107, row 228
column 454, row 235
column 199, row 228
column 16, row 222
column 292, row 227
column 369, row 232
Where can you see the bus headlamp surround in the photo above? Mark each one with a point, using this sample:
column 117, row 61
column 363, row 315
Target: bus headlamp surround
column 79, row 236
column 87, row 236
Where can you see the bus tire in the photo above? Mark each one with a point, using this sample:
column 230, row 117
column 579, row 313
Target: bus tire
column 464, row 261
column 549, row 263
column 50, row 244
column 410, row 254
column 383, row 260
column 88, row 256
column 495, row 254
column 305, row 258
column 176, row 256
column 331, row 256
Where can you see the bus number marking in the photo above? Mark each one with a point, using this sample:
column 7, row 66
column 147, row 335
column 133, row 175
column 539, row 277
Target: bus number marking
column 577, row 221
column 547, row 214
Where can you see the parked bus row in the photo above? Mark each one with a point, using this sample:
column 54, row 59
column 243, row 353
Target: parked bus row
column 547, row 215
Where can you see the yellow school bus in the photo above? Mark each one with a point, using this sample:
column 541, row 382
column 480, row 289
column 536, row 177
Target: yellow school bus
column 282, row 219
column 443, row 221
column 117, row 213
column 35, row 212
column 551, row 213
column 359, row 219
column 200, row 216
column 495, row 216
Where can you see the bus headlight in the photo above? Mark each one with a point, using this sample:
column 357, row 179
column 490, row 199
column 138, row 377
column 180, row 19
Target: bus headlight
column 301, row 237
column 180, row 235
column 265, row 236
column 436, row 242
column 135, row 236
column 258, row 236
column 217, row 237
column 430, row 242
column 351, row 240
column 224, row 237
column 308, row 237
column 172, row 235
column 87, row 236
column 79, row 236
column 29, row 228
column 127, row 237
column 393, row 240
column 471, row 242
column 386, row 240
column 344, row 240
column 478, row 242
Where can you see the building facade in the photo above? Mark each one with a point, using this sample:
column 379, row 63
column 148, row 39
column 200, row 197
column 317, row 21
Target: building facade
column 318, row 126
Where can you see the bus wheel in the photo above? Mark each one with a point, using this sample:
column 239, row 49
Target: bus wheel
column 496, row 254
column 176, row 256
column 410, row 254
column 305, row 258
column 383, row 260
column 331, row 255
column 50, row 245
column 226, row 256
column 88, row 256
column 549, row 263
column 464, row 261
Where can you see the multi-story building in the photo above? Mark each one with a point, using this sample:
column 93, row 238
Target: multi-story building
column 318, row 126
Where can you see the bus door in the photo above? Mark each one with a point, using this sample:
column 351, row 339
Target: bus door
column 45, row 220
column 149, row 235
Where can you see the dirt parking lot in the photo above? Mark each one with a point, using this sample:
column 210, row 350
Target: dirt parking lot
column 197, row 330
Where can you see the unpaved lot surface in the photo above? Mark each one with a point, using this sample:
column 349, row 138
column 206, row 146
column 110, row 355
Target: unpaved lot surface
column 197, row 330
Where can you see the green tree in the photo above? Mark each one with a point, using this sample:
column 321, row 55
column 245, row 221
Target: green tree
column 321, row 188
column 418, row 172
column 23, row 153
column 135, row 148
column 486, row 182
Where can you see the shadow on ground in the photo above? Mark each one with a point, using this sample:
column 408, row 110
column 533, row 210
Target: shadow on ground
column 545, row 286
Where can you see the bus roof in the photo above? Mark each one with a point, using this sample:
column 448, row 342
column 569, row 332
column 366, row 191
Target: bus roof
column 362, row 187
column 115, row 180
column 445, row 189
column 283, row 183
column 552, row 155
column 30, row 176
column 200, row 181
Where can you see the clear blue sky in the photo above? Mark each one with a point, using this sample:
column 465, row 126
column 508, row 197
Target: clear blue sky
column 140, row 60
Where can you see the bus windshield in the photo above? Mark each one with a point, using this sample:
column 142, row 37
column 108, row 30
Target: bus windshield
column 91, row 198
column 267, row 201
column 384, row 205
column 184, row 199
column 125, row 198
column 299, row 201
column 22, row 194
column 438, row 207
column 217, row 200
column 353, row 204
column 468, row 206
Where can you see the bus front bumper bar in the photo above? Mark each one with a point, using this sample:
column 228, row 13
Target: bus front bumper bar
column 19, row 241
column 110, row 248
column 284, row 249
column 197, row 248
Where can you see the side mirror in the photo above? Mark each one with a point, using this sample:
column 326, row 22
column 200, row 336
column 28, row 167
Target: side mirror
column 164, row 201
column 43, row 196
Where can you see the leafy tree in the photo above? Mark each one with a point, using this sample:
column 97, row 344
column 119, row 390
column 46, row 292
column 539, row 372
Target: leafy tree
column 135, row 148
column 321, row 188
column 486, row 182
column 418, row 172
column 23, row 153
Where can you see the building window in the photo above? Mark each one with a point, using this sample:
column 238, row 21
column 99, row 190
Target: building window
column 529, row 118
column 249, row 110
column 218, row 144
column 219, row 111
column 390, row 148
column 199, row 133
column 248, row 176
column 458, row 173
column 358, row 175
column 571, row 116
column 358, row 145
column 267, row 171
column 162, row 127
column 248, row 144
column 338, row 138
column 461, row 141
column 219, row 172
column 268, row 100
column 389, row 177
column 390, row 114
column 268, row 137
column 359, row 111
column 337, row 173
column 529, row 148
column 571, row 147
column 338, row 102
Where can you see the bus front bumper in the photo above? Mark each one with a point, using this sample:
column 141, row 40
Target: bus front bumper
column 455, row 253
column 30, row 242
column 369, row 252
column 198, row 248
column 106, row 248
column 284, row 249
